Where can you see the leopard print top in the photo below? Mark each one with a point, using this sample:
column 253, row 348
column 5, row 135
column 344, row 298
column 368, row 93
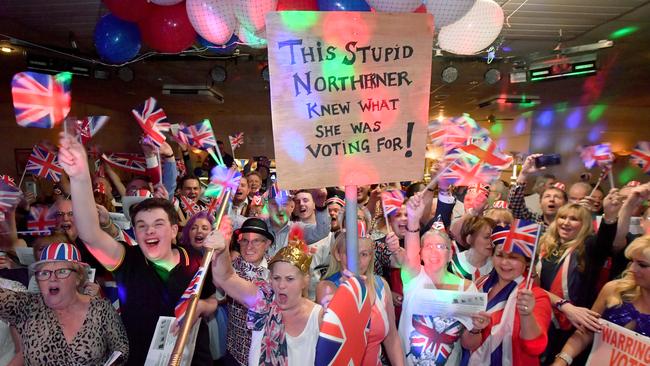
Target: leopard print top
column 44, row 344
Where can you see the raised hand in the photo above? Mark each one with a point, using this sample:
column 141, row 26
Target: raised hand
column 392, row 242
column 72, row 157
column 525, row 302
column 612, row 204
column 415, row 208
column 529, row 168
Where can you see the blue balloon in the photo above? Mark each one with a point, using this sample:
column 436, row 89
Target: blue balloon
column 224, row 49
column 117, row 40
column 343, row 5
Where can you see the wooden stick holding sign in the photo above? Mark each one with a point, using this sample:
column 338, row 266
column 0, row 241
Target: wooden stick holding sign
column 351, row 234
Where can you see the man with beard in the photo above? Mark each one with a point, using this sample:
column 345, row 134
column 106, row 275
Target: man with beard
column 551, row 199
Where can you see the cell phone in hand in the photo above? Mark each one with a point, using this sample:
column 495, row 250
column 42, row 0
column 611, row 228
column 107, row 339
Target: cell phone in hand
column 548, row 160
column 31, row 187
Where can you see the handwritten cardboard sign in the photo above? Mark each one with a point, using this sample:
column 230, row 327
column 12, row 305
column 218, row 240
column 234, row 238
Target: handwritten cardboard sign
column 349, row 96
column 618, row 346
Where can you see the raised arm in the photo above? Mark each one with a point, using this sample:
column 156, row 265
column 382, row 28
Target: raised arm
column 169, row 170
column 318, row 231
column 516, row 195
column 115, row 179
column 636, row 198
column 414, row 210
column 102, row 246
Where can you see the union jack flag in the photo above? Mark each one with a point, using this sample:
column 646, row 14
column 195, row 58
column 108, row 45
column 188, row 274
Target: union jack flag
column 191, row 290
column 432, row 338
column 600, row 155
column 180, row 137
column 128, row 239
column 43, row 162
column 40, row 219
column 641, row 156
column 343, row 331
column 153, row 120
column 40, row 100
column 200, row 135
column 89, row 126
column 9, row 197
column 236, row 141
column 462, row 172
column 222, row 178
column 486, row 151
column 8, row 180
column 452, row 133
column 133, row 163
column 519, row 237
column 392, row 201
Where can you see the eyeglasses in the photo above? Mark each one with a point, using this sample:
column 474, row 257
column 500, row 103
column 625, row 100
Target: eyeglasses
column 254, row 242
column 61, row 214
column 439, row 246
column 61, row 274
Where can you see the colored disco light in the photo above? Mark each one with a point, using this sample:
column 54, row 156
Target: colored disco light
column 574, row 119
column 596, row 112
column 627, row 174
column 623, row 32
column 545, row 118
column 298, row 20
column 561, row 107
column 497, row 129
column 595, row 133
column 294, row 144
column 520, row 126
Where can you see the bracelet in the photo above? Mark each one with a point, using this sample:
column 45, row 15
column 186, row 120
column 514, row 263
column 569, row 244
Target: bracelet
column 476, row 331
column 413, row 231
column 565, row 357
column 609, row 221
column 558, row 304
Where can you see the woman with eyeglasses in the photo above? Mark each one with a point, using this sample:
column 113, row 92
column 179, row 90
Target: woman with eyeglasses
column 428, row 339
column 60, row 325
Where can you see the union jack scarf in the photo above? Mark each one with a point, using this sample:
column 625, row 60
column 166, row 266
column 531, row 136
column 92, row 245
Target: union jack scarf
column 496, row 349
column 266, row 315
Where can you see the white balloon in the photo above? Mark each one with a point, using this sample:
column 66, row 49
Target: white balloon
column 395, row 6
column 446, row 12
column 251, row 13
column 473, row 32
column 251, row 39
column 166, row 2
column 214, row 20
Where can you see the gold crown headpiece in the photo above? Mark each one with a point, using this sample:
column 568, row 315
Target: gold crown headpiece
column 295, row 252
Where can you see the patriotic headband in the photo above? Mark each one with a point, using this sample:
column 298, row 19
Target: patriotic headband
column 336, row 200
column 482, row 188
column 438, row 225
column 500, row 204
column 143, row 192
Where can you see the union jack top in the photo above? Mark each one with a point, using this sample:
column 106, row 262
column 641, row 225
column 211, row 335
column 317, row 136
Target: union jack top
column 237, row 140
column 200, row 135
column 520, row 237
column 153, row 120
column 40, row 100
column 43, row 162
column 641, row 156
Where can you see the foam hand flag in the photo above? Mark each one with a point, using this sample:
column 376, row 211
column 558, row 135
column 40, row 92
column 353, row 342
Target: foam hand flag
column 392, row 201
column 343, row 331
column 200, row 135
column 40, row 219
column 221, row 179
column 236, row 141
column 44, row 163
column 600, row 155
column 9, row 197
column 519, row 237
column 89, row 126
column 41, row 100
column 641, row 156
column 192, row 289
column 486, row 151
column 133, row 163
column 153, row 120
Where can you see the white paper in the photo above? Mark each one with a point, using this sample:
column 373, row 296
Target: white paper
column 615, row 345
column 450, row 304
column 114, row 356
column 163, row 341
column 25, row 255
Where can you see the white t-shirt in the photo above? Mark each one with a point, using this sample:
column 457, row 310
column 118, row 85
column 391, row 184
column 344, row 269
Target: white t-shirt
column 300, row 349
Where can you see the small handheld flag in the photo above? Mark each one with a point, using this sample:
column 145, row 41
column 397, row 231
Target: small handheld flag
column 199, row 135
column 641, row 156
column 520, row 237
column 236, row 141
column 153, row 120
column 89, row 126
column 43, row 162
column 392, row 201
column 133, row 163
column 600, row 155
column 41, row 100
column 221, row 179
column 40, row 219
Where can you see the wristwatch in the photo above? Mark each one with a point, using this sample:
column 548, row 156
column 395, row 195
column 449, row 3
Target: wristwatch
column 565, row 357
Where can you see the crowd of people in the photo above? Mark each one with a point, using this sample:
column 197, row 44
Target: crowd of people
column 280, row 258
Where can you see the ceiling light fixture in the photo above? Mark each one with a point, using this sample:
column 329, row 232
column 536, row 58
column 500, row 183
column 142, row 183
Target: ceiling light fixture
column 492, row 76
column 6, row 49
column 218, row 74
column 449, row 74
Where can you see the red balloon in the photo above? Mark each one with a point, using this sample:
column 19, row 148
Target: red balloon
column 168, row 29
column 420, row 9
column 129, row 10
column 304, row 5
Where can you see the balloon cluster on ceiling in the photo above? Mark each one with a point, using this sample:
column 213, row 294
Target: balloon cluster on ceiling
column 463, row 27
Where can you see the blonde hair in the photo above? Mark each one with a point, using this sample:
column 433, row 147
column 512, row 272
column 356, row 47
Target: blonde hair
column 500, row 214
column 336, row 267
column 80, row 270
column 550, row 241
column 626, row 289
